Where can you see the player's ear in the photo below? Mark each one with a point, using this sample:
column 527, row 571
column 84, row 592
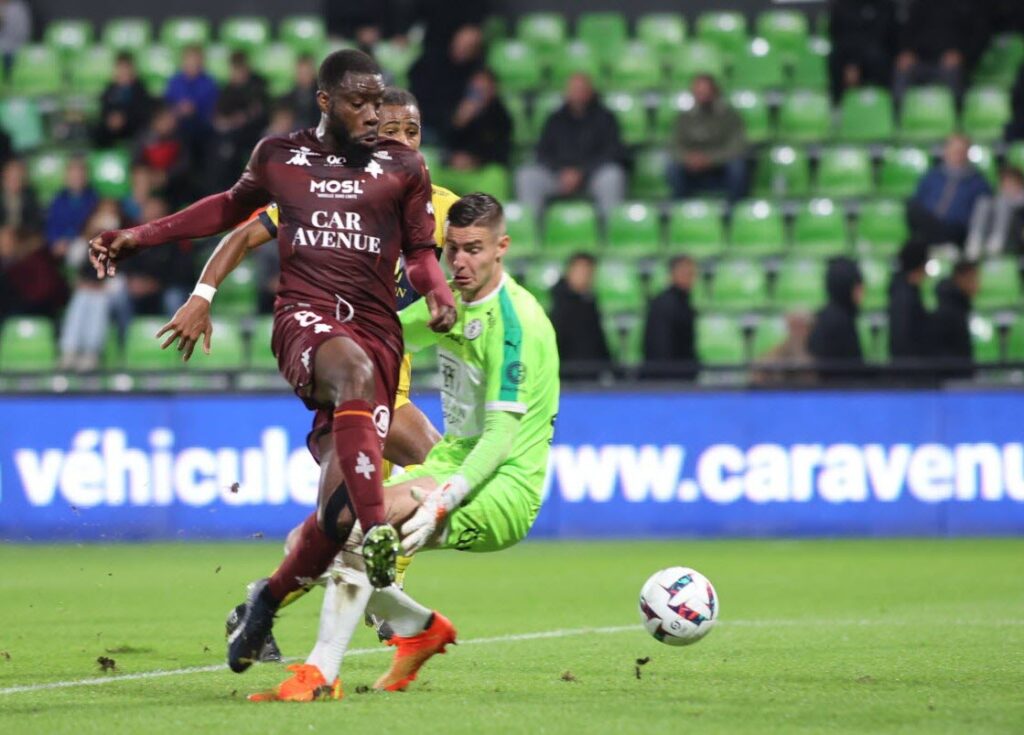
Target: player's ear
column 503, row 243
column 323, row 101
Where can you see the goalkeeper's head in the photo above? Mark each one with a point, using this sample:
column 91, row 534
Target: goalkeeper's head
column 475, row 245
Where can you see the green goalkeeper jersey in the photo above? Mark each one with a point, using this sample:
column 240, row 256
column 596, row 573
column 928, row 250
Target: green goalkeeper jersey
column 500, row 355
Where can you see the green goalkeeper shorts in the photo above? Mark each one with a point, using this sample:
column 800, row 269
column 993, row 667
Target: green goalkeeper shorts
column 496, row 516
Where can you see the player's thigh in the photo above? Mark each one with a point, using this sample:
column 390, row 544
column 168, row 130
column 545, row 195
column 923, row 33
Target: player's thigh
column 342, row 371
column 499, row 515
column 411, row 437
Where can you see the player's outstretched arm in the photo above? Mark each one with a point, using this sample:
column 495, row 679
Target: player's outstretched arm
column 192, row 320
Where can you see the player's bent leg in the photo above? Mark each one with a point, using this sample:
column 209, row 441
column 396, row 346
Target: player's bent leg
column 411, row 436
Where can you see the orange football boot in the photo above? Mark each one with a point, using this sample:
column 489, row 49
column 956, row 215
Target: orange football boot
column 306, row 684
column 414, row 651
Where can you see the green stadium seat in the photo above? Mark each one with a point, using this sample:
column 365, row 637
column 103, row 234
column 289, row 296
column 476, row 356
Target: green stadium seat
column 157, row 64
column 541, row 277
column 238, row 294
column 809, row 69
column 805, row 116
column 637, row 68
column 247, row 33
column 21, row 119
column 185, row 31
column 666, row 112
column 720, row 340
column 725, row 29
column 985, row 338
column 68, row 37
column 306, row 34
column 1000, row 284
column 756, row 229
column 546, row 32
column 625, row 335
column 769, row 332
column 1002, row 58
column 396, row 59
column 693, row 58
column 1015, row 154
column 276, row 62
column 629, row 110
column 634, row 228
column 844, row 171
column 928, row 114
column 663, row 32
column 91, row 70
column 800, row 284
column 695, row 228
column 881, row 227
column 877, row 273
column 873, row 332
column 227, row 348
column 758, row 66
column 521, row 224
column 128, row 34
column 901, row 169
column 866, row 115
column 46, row 172
column 27, row 344
column 984, row 158
column 218, row 61
column 36, row 71
column 142, row 350
column 986, row 112
column 110, row 173
column 785, row 30
column 524, row 131
column 516, row 65
column 1015, row 340
column 261, row 357
column 820, row 229
column 649, row 174
column 570, row 226
column 618, row 286
column 576, row 57
column 784, row 171
column 605, row 31
column 752, row 107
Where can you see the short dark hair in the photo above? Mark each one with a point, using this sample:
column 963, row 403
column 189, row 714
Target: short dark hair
column 398, row 97
column 477, row 210
column 581, row 255
column 965, row 266
column 124, row 57
column 239, row 58
column 676, row 260
column 339, row 63
column 913, row 255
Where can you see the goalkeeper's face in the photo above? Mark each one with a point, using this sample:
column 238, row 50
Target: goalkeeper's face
column 475, row 255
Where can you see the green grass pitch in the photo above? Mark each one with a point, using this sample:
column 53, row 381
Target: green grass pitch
column 907, row 636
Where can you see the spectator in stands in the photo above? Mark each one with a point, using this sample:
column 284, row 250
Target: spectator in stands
column 125, row 105
column 580, row 151
column 950, row 324
column 282, row 121
column 834, row 341
column 240, row 116
column 997, row 223
column 15, row 30
column 582, row 346
column 792, row 354
column 141, row 190
column 863, row 34
column 192, row 95
column 158, row 280
column 162, row 150
column 939, row 43
column 481, row 128
column 709, row 145
column 669, row 332
column 908, row 320
column 19, row 205
column 301, row 99
column 70, row 209
column 941, row 207
column 30, row 278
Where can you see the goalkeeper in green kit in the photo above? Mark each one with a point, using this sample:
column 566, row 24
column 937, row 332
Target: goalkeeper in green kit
column 479, row 489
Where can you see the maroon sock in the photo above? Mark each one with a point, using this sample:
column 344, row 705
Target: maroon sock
column 308, row 558
column 358, row 448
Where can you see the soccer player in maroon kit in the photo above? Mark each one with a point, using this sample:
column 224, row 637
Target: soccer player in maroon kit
column 349, row 208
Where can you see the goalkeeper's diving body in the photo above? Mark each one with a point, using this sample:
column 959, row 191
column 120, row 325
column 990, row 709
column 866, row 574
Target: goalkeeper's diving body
column 479, row 488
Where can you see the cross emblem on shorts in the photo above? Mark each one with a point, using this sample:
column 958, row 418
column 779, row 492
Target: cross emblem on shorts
column 364, row 466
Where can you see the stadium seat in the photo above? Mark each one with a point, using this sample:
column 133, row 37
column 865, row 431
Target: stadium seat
column 68, row 37
column 877, row 273
column 634, row 228
column 521, row 224
column 769, row 333
column 984, row 158
column 986, row 112
column 396, row 59
column 695, row 228
column 800, row 284
column 873, row 333
column 809, row 68
column 844, row 171
column 784, row 171
column 666, row 112
column 625, row 335
column 605, row 31
column 648, row 175
column 805, row 116
column 306, row 34
column 881, row 228
column 629, row 110
column 261, row 357
column 142, row 351
column 218, row 62
column 739, row 285
column 27, row 344
column 820, row 229
column 570, row 226
column 36, row 71
column 756, row 229
column 185, row 31
column 516, row 65
column 276, row 62
column 618, row 287
column 636, row 69
column 110, row 172
column 752, row 108
column 91, row 70
column 524, row 132
column 727, row 30
column 46, row 172
column 1015, row 154
column 720, row 340
column 541, row 277
column 901, row 169
column 1000, row 284
column 865, row 114
column 127, row 34
column 998, row 65
column 247, row 33
column 21, row 119
column 785, row 30
column 663, row 32
column 758, row 66
column 576, row 56
column 1015, row 340
column 696, row 57
column 546, row 32
column 157, row 64
column 985, row 340
column 227, row 349
column 928, row 114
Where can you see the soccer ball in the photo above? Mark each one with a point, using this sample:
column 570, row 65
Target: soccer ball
column 678, row 606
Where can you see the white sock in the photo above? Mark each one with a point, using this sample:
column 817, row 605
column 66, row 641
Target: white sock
column 345, row 599
column 406, row 616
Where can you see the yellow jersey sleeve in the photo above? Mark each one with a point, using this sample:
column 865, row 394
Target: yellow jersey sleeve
column 442, row 200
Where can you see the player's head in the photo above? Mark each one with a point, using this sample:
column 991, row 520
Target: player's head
column 400, row 117
column 350, row 88
column 475, row 243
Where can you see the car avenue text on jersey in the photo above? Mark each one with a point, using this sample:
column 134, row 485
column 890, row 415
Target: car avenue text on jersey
column 336, row 230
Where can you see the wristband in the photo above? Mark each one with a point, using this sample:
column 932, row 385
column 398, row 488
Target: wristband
column 204, row 291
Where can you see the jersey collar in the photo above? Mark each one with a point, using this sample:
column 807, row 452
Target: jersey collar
column 491, row 295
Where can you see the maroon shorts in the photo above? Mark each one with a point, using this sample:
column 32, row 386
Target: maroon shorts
column 299, row 331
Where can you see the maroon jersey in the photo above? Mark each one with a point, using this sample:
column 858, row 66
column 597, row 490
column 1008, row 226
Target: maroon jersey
column 343, row 223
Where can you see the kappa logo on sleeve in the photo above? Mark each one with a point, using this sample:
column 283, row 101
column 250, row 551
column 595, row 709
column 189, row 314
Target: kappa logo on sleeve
column 300, row 157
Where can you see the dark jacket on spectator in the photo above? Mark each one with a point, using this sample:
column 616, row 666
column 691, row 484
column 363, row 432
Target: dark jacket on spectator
column 936, row 26
column 669, row 335
column 68, row 213
column 908, row 320
column 577, row 324
column 25, row 212
column 863, row 33
column 954, row 207
column 488, row 136
column 584, row 143
column 302, row 101
column 834, row 337
column 950, row 330
column 132, row 101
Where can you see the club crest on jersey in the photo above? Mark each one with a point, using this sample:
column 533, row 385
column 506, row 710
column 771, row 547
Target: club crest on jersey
column 374, row 169
column 472, row 329
column 382, row 420
column 300, row 157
